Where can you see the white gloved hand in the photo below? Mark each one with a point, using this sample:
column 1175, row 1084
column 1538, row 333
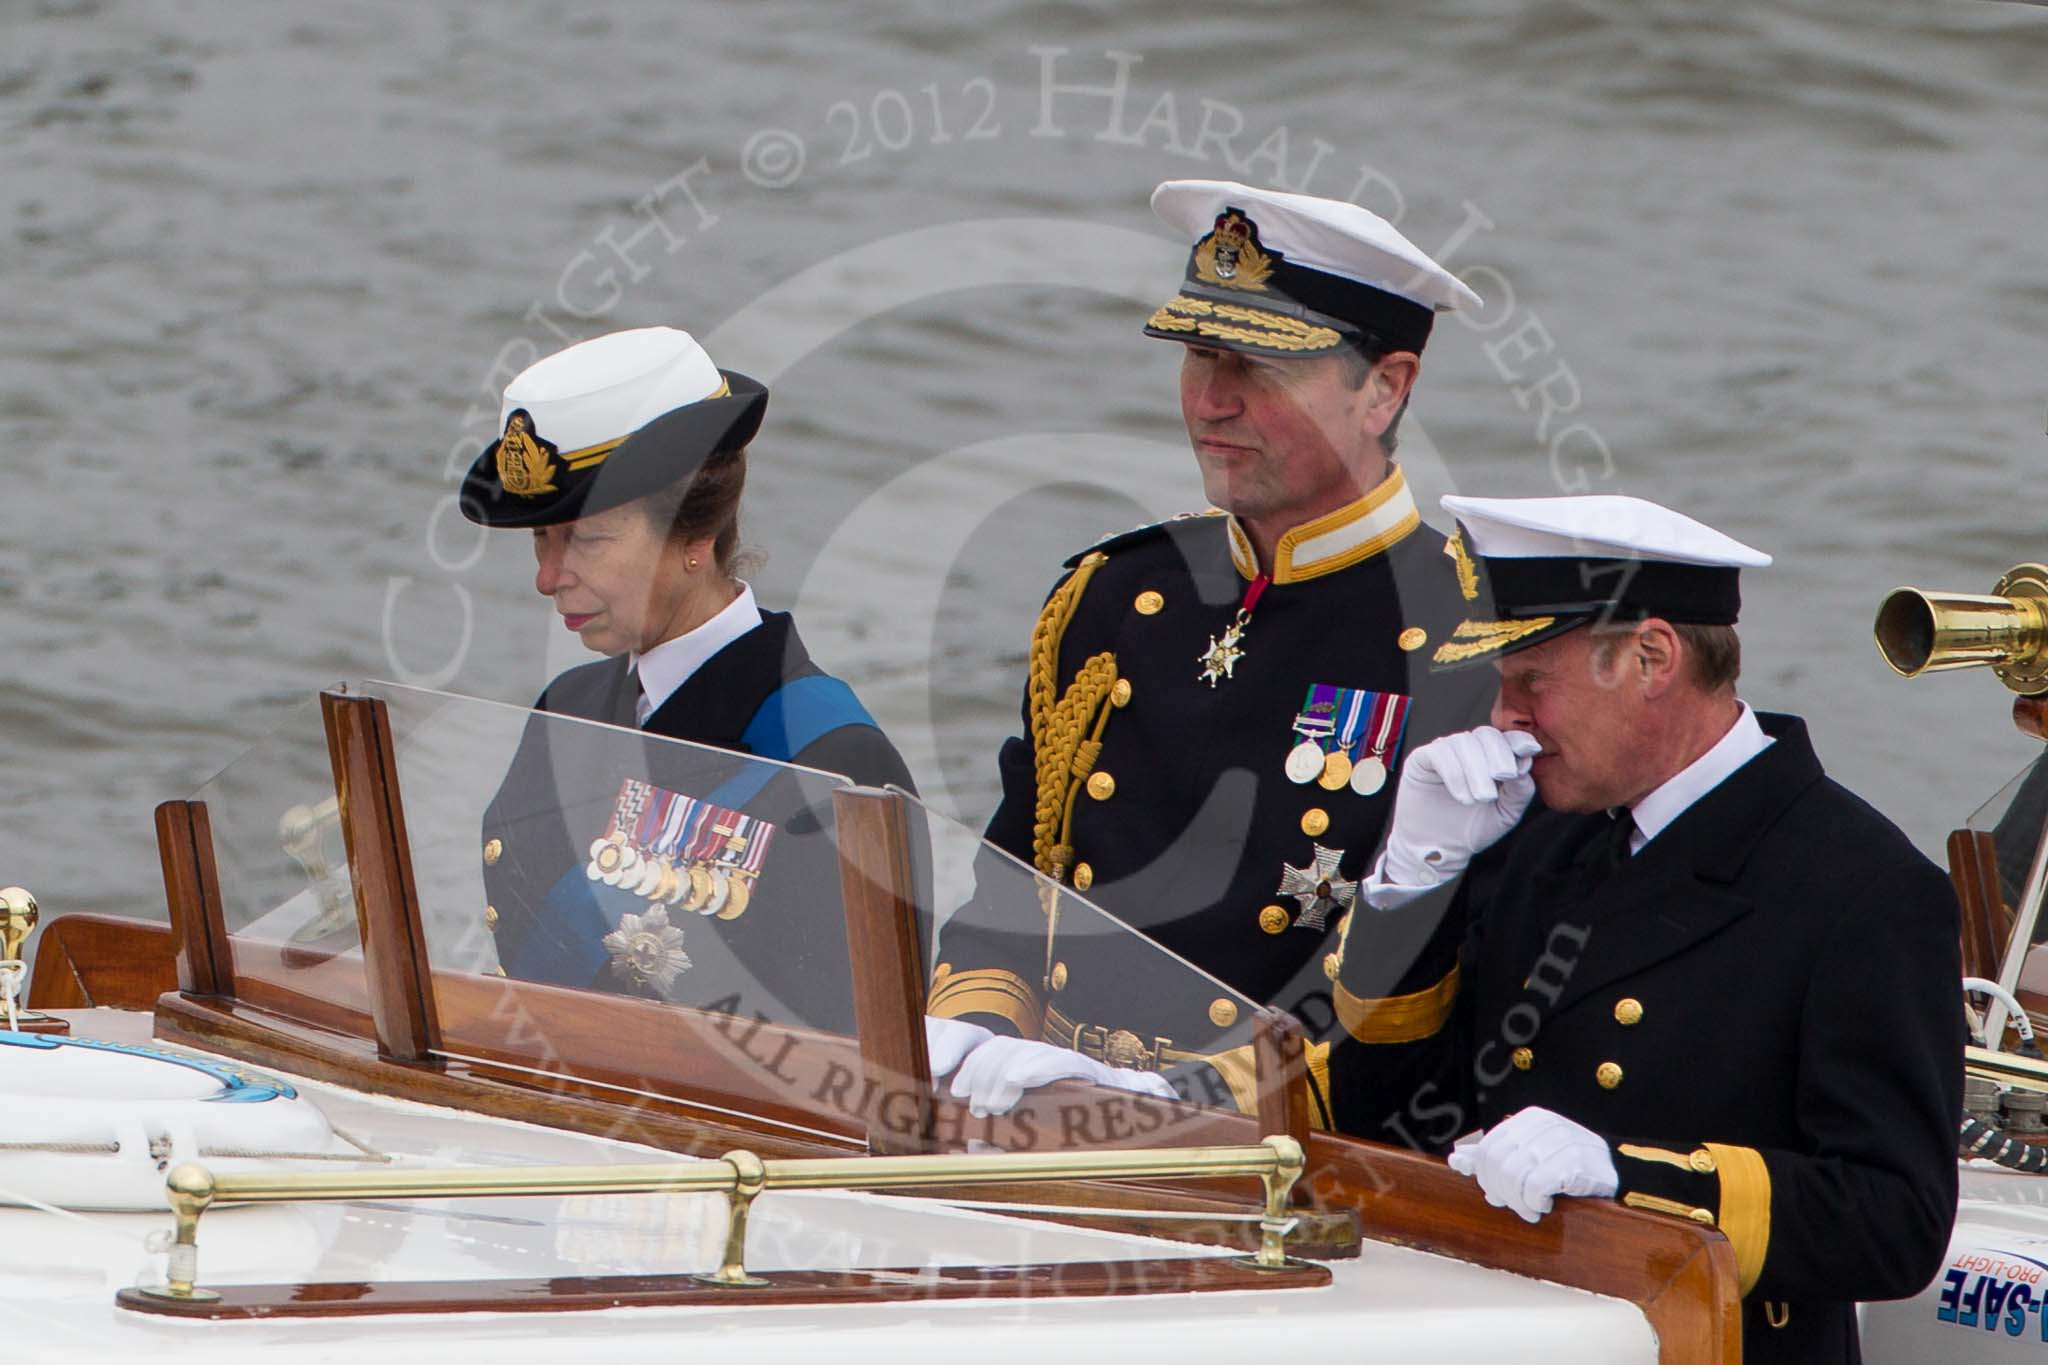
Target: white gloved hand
column 1458, row 795
column 948, row 1041
column 996, row 1074
column 1526, row 1159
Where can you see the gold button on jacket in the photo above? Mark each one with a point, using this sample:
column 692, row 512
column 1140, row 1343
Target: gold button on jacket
column 1628, row 1012
column 1608, row 1074
column 493, row 851
column 1102, row 786
column 1523, row 1058
column 1149, row 603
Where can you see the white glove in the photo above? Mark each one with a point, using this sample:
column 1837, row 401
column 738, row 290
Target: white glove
column 1532, row 1155
column 996, row 1074
column 948, row 1041
column 1458, row 795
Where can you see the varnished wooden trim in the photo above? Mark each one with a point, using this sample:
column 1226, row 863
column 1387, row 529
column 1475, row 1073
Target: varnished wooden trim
column 1077, row 1279
column 1282, row 1070
column 1987, row 924
column 395, row 959
column 88, row 961
column 575, row 1105
column 184, row 842
column 1681, row 1275
column 877, row 869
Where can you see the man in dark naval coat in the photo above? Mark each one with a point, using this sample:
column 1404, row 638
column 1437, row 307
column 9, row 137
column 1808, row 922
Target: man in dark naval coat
column 1700, row 976
column 1218, row 706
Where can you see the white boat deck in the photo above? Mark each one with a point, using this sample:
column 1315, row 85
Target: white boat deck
column 58, row 1274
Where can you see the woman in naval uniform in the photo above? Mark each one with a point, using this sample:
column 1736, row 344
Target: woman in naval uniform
column 625, row 457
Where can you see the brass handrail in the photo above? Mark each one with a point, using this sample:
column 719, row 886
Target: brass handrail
column 740, row 1176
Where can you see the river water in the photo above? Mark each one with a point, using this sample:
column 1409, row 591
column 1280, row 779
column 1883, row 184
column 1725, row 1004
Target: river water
column 266, row 266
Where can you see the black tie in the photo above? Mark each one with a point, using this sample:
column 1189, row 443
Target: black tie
column 1621, row 828
column 626, row 705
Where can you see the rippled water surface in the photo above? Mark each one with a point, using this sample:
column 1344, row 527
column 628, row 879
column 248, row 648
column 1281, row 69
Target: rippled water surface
column 265, row 266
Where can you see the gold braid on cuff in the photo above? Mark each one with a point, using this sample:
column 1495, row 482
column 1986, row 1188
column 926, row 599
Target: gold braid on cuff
column 1398, row 1018
column 988, row 990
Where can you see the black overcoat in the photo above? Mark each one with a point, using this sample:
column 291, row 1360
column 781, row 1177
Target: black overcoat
column 1761, row 1012
column 786, row 956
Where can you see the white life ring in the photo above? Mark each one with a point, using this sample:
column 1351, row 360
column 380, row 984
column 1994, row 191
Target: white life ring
column 95, row 1125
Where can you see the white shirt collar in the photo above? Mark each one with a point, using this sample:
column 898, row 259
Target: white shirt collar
column 669, row 664
column 1745, row 740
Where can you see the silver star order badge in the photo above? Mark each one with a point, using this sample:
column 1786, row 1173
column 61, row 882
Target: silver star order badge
column 647, row 949
column 1318, row 887
column 1222, row 655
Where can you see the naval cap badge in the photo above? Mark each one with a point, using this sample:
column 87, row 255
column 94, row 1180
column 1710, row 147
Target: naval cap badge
column 1231, row 255
column 526, row 464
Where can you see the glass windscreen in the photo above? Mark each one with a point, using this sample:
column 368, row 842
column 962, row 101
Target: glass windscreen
column 285, row 892
column 2014, row 817
column 644, row 916
column 1012, row 950
column 647, row 915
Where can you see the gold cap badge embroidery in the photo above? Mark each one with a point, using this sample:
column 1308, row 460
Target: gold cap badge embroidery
column 1231, row 256
column 526, row 464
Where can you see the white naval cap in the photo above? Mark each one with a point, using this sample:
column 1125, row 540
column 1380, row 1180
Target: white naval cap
column 1555, row 563
column 606, row 421
column 1595, row 526
column 1290, row 274
column 610, row 386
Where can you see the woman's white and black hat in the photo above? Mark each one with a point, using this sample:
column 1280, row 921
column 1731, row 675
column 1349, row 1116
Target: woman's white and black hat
column 1554, row 564
column 607, row 421
column 1280, row 274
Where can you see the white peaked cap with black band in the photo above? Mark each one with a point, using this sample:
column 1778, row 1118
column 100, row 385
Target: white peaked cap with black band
column 1553, row 564
column 606, row 421
column 1283, row 274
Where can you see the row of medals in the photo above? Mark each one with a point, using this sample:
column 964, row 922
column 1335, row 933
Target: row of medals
column 1332, row 771
column 702, row 887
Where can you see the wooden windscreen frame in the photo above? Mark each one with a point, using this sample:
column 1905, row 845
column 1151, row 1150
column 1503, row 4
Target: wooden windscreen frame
column 395, row 961
column 878, row 865
column 878, row 885
column 1973, row 869
column 199, row 931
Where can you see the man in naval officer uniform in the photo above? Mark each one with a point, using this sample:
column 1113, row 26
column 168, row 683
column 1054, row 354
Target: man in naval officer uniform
column 1218, row 705
column 1700, row 976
